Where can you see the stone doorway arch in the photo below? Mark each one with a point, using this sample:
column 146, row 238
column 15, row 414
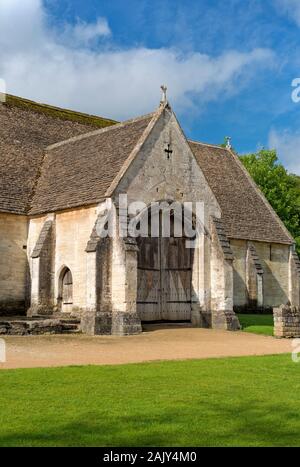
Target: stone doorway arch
column 65, row 297
column 164, row 274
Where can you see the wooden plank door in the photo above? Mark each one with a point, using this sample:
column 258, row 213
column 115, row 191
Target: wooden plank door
column 149, row 290
column 164, row 278
column 67, row 288
column 176, row 274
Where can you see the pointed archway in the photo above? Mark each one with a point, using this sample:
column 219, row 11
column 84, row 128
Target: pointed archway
column 65, row 290
column 164, row 291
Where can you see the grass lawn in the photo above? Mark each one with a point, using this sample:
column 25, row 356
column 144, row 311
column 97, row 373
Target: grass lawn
column 258, row 324
column 247, row 401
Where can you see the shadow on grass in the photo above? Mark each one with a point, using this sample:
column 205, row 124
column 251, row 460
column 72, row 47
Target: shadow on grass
column 255, row 425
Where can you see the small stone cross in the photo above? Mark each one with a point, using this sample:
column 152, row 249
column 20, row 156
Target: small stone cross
column 164, row 94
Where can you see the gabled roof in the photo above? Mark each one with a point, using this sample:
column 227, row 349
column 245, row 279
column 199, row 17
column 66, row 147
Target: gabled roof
column 26, row 129
column 79, row 171
column 246, row 213
column 50, row 164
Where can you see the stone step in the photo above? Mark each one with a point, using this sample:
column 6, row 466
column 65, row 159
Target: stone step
column 55, row 315
column 70, row 321
column 21, row 327
column 63, row 320
column 72, row 331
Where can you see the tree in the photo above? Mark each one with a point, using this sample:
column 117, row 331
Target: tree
column 281, row 189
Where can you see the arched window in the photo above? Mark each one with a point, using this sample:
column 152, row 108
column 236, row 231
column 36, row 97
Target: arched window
column 67, row 287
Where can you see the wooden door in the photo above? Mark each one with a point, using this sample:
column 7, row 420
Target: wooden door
column 67, row 288
column 148, row 293
column 164, row 279
column 176, row 275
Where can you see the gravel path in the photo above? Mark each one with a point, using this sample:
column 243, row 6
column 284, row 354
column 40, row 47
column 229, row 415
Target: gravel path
column 156, row 343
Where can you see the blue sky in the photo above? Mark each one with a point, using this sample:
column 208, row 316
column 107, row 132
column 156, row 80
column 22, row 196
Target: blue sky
column 228, row 64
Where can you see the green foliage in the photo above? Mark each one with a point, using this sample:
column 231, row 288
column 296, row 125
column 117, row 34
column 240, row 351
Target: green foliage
column 248, row 401
column 281, row 189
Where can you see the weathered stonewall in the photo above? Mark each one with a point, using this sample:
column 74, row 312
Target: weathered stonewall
column 26, row 327
column 286, row 321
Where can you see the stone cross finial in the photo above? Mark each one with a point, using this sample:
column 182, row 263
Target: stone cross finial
column 164, row 94
column 228, row 142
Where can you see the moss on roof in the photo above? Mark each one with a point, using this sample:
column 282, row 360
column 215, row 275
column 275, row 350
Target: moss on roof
column 57, row 112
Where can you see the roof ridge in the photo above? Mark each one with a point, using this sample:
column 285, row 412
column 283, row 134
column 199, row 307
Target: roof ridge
column 57, row 112
column 207, row 144
column 99, row 131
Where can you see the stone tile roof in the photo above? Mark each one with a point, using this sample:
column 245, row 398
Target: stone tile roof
column 26, row 129
column 245, row 212
column 81, row 167
column 78, row 172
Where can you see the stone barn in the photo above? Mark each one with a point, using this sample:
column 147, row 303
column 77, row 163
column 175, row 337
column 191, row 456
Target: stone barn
column 62, row 177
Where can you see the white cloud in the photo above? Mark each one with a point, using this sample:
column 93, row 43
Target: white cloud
column 41, row 63
column 287, row 145
column 86, row 33
column 290, row 8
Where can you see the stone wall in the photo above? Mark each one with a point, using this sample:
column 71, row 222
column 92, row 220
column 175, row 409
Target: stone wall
column 294, row 278
column 274, row 260
column 222, row 314
column 97, row 318
column 72, row 233
column 13, row 264
column 240, row 296
column 42, row 270
column 73, row 230
column 34, row 236
column 124, row 261
column 287, row 321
